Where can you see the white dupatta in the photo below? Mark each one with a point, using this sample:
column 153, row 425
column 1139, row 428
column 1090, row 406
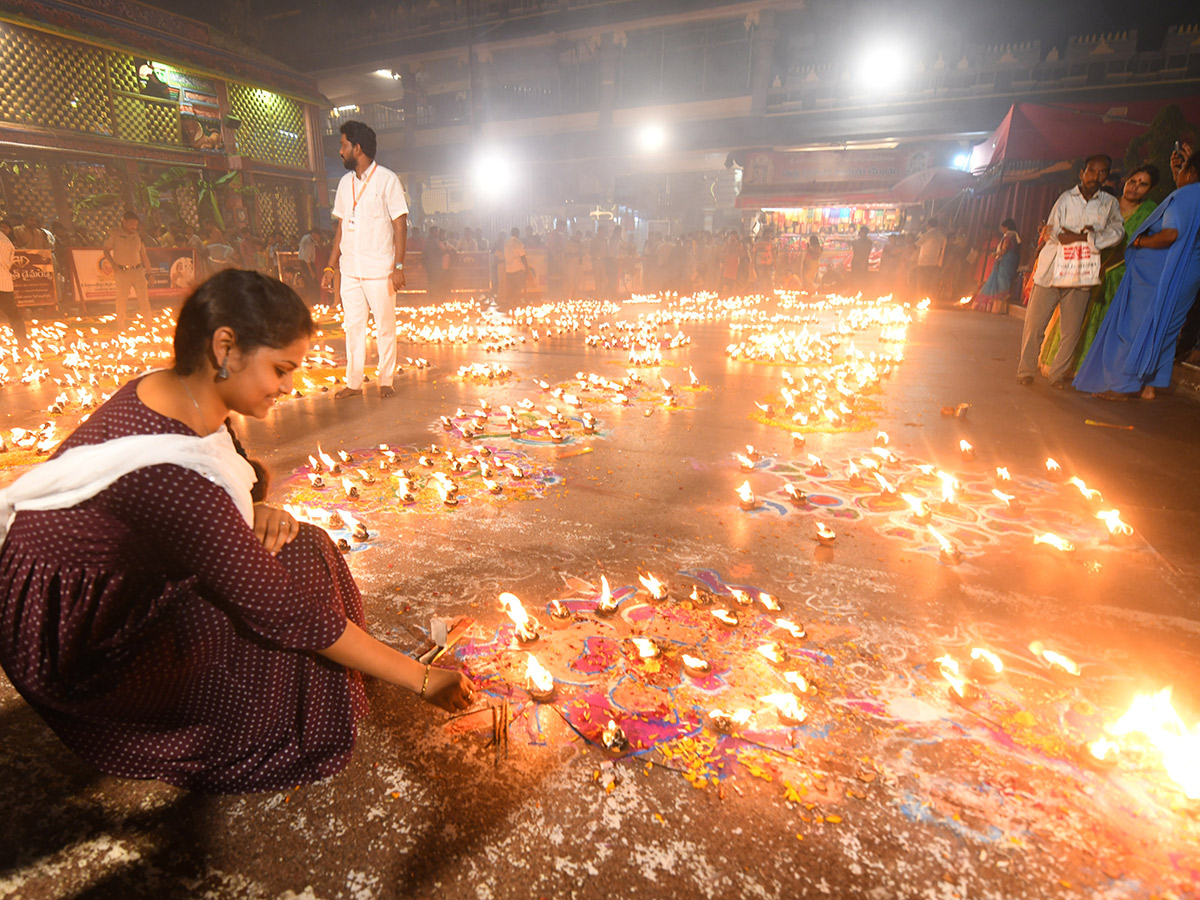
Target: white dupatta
column 83, row 472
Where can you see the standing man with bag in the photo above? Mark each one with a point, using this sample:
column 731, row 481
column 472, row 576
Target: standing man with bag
column 369, row 244
column 1083, row 221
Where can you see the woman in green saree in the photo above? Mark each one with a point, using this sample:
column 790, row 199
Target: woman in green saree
column 1134, row 209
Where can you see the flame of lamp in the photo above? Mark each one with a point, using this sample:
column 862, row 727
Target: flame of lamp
column 985, row 665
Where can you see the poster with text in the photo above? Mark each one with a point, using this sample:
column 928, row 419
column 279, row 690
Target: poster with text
column 33, row 278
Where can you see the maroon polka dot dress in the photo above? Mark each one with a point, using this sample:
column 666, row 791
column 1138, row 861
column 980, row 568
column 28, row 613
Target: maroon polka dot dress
column 156, row 636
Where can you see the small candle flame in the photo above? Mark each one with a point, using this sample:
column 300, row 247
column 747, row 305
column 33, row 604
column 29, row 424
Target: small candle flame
column 919, row 507
column 953, row 674
column 771, row 652
column 965, row 447
column 987, row 657
column 1087, row 492
column 646, row 648
column 949, row 483
column 1002, row 474
column 1104, row 749
column 824, row 532
column 1112, row 519
column 653, row 586
column 1054, row 659
column 1055, row 541
column 745, row 462
column 789, row 708
column 1052, row 466
column 769, row 602
column 796, row 680
column 745, row 494
column 606, row 603
column 538, row 675
column 796, row 631
column 511, row 604
column 729, row 617
column 738, row 717
column 695, row 662
column 612, row 737
column 884, row 485
column 947, row 547
column 881, row 439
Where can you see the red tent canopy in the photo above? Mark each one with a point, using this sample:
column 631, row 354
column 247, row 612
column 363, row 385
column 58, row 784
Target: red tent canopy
column 1034, row 133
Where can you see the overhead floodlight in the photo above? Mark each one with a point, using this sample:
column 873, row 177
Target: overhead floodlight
column 651, row 138
column 493, row 173
column 962, row 161
column 883, row 65
column 387, row 73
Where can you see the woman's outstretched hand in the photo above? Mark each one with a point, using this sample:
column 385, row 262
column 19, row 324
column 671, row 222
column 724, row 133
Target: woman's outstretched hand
column 274, row 527
column 451, row 691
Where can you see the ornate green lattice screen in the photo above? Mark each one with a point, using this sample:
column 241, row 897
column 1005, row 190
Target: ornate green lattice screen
column 272, row 126
column 53, row 83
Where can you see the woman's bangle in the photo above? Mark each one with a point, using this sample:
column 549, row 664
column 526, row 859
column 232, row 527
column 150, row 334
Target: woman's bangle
column 330, row 269
column 425, row 683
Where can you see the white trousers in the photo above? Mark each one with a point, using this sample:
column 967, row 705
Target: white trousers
column 360, row 296
column 131, row 280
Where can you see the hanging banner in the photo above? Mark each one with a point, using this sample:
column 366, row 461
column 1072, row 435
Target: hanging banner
column 171, row 276
column 33, row 278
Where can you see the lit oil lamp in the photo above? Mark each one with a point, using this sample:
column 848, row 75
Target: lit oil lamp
column 1118, row 532
column 560, row 616
column 960, row 690
column 514, row 471
column 967, row 451
column 769, row 602
column 1002, row 476
column 492, row 487
column 886, row 455
column 985, row 665
column 725, row 722
column 947, row 552
column 613, row 738
column 949, row 500
column 655, row 588
column 1053, row 540
column 797, row 440
column 538, row 680
column 772, row 654
column 921, row 513
column 817, row 468
column 1011, row 503
column 787, row 707
column 589, row 423
column 345, row 457
column 315, row 464
column 885, row 486
column 1053, row 470
column 742, row 597
column 825, row 535
column 606, row 606
column 796, row 631
column 367, row 477
column 695, row 666
column 348, row 487
column 646, row 648
column 525, row 630
column 797, row 496
column 343, row 545
column 745, row 463
column 1089, row 494
column 853, row 475
column 329, row 462
column 881, row 439
column 1101, row 754
column 798, row 682
column 746, row 498
column 1061, row 666
column 701, row 597
column 726, row 617
column 425, row 461
column 315, row 481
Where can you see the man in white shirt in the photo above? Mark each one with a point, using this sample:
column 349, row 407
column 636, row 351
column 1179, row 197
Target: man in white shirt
column 369, row 245
column 931, row 248
column 1084, row 213
column 8, row 297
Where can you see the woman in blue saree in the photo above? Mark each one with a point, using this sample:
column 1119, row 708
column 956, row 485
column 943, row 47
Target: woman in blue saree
column 994, row 294
column 1134, row 350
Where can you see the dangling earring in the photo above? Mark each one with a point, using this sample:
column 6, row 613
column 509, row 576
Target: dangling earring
column 223, row 372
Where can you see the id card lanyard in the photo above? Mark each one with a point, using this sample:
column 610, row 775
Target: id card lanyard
column 358, row 195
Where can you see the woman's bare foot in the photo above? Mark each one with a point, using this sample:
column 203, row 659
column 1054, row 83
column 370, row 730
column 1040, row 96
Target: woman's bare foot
column 1148, row 392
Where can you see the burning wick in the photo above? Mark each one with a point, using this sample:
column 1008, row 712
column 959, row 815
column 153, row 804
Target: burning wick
column 538, row 680
column 825, row 535
column 349, row 488
column 885, row 486
column 1101, row 754
column 949, row 501
column 725, row 617
column 771, row 653
column 559, row 614
column 1053, row 470
column 985, row 665
column 742, row 597
column 797, row 440
column 724, row 722
column 794, row 494
column 881, row 439
column 948, row 553
column 787, row 707
column 853, row 475
column 613, row 738
column 694, row 665
column 699, row 597
column 1089, row 494
column 367, row 477
column 1059, row 664
column 1055, row 541
column 817, row 468
column 607, row 605
column 796, row 631
column 745, row 463
column 968, row 452
column 525, row 631
column 769, row 602
column 746, row 498
column 1002, row 476
column 959, row 688
column 798, row 682
column 646, row 648
column 655, row 588
column 921, row 513
column 358, row 530
column 1118, row 531
column 328, row 461
column 1010, row 501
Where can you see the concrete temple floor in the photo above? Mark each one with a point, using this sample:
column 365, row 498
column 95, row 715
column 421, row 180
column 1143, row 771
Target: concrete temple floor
column 887, row 789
